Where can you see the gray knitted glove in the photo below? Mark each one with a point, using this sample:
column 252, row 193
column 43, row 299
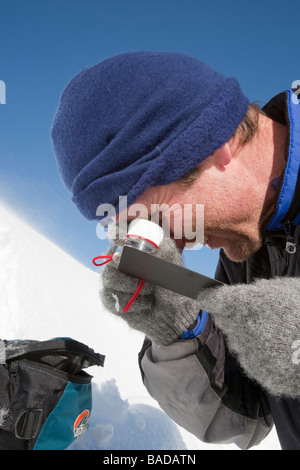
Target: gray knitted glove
column 261, row 323
column 160, row 314
column 261, row 320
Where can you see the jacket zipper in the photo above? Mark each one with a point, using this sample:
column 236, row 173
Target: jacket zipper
column 291, row 244
column 292, row 235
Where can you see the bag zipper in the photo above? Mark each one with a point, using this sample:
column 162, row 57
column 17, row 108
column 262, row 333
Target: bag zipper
column 13, row 373
column 81, row 378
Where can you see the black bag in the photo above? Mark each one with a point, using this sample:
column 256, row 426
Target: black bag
column 45, row 395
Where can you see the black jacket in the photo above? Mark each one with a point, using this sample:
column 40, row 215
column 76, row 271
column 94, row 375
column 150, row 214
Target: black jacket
column 199, row 383
column 270, row 261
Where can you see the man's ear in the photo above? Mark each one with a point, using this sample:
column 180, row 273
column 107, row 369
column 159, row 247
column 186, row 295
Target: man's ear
column 222, row 156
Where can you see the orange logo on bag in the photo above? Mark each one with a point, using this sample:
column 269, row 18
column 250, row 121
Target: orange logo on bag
column 81, row 423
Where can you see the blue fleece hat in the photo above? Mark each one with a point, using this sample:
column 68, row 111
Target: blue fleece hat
column 140, row 119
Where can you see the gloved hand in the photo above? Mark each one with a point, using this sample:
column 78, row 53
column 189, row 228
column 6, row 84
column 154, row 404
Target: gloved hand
column 261, row 323
column 160, row 314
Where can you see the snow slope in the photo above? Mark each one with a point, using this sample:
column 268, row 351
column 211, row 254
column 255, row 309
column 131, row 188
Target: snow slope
column 45, row 293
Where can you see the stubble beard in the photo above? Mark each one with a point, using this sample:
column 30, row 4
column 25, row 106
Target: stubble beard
column 240, row 240
column 241, row 249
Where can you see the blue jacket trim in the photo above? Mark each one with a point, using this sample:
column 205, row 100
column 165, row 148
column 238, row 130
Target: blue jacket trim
column 292, row 167
column 201, row 322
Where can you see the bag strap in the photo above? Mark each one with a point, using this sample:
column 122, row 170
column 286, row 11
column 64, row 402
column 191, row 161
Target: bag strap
column 19, row 349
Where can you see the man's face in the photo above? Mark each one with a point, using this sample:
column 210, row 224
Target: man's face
column 232, row 207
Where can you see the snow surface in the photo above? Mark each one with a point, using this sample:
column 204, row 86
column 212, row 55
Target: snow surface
column 45, row 293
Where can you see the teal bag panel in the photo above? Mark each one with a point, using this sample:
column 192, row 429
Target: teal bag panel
column 68, row 420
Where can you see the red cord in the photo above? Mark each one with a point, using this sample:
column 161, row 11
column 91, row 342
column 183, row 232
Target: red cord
column 108, row 258
column 127, row 307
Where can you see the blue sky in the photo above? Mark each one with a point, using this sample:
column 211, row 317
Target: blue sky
column 44, row 43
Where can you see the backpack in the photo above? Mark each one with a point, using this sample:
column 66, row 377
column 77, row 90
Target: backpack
column 45, row 395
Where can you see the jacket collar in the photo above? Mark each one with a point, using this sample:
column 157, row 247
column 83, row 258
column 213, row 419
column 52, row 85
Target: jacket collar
column 285, row 108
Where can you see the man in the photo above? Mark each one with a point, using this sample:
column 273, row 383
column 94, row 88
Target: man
column 166, row 128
